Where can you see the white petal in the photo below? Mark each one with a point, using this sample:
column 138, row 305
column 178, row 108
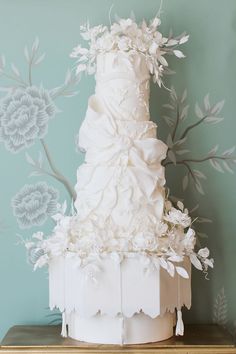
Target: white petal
column 204, row 252
column 195, row 261
column 181, row 271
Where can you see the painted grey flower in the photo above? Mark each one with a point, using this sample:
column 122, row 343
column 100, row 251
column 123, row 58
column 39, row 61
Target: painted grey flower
column 34, row 203
column 24, row 116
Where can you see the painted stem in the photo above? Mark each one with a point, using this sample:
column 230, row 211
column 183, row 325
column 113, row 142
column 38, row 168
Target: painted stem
column 14, row 78
column 56, row 174
column 200, row 160
column 176, row 123
column 192, row 126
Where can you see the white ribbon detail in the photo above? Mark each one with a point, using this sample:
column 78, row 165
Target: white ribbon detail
column 108, row 142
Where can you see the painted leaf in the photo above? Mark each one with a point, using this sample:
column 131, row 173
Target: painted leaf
column 168, row 120
column 35, row 173
column 199, row 174
column 229, row 151
column 35, row 45
column 220, row 310
column 213, row 120
column 172, row 157
column 39, row 59
column 26, row 53
column 173, row 93
column 215, row 164
column 207, row 102
column 169, row 141
column 15, row 70
column 182, row 152
column 184, row 112
column 213, row 150
column 167, row 105
column 217, row 107
column 185, row 182
column 2, row 61
column 180, row 141
column 29, row 159
column 68, row 77
column 183, row 98
column 198, row 111
column 198, row 186
column 227, row 167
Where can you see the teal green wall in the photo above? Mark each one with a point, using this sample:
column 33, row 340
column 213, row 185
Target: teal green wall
column 208, row 68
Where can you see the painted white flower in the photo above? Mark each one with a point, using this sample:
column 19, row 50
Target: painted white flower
column 24, row 117
column 34, row 203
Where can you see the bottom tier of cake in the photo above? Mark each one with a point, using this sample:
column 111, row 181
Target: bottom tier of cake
column 109, row 301
column 105, row 329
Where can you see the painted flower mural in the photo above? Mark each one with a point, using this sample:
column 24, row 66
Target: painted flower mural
column 24, row 116
column 25, row 112
column 34, row 203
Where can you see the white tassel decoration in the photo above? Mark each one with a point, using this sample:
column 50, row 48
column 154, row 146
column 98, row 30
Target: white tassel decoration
column 122, row 330
column 179, row 329
column 63, row 326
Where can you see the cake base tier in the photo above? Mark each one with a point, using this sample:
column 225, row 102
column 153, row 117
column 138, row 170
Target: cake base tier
column 104, row 329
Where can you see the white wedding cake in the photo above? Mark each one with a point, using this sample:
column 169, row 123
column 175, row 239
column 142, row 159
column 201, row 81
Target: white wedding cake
column 120, row 266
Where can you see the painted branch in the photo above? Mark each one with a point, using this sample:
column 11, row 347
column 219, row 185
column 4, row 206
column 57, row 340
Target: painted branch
column 176, row 123
column 57, row 174
column 190, row 127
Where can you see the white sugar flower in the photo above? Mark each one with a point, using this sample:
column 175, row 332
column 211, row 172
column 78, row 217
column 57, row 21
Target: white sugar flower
column 189, row 240
column 105, row 43
column 161, row 229
column 124, row 43
column 204, row 252
column 177, row 217
column 125, row 24
column 127, row 35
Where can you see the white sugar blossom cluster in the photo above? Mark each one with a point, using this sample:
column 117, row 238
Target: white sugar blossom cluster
column 126, row 35
column 167, row 241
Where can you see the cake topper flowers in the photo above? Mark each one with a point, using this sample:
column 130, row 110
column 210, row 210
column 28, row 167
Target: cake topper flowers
column 127, row 36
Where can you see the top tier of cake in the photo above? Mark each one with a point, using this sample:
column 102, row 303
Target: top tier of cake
column 122, row 85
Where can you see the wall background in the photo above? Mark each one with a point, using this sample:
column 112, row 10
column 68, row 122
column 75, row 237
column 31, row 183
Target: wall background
column 208, row 68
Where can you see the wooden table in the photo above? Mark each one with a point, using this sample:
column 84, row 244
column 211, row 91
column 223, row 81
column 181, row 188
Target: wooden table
column 209, row 339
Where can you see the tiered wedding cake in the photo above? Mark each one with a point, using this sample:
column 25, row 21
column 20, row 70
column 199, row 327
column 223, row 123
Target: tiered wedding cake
column 120, row 266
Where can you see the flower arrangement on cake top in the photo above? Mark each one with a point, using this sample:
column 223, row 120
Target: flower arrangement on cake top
column 126, row 35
